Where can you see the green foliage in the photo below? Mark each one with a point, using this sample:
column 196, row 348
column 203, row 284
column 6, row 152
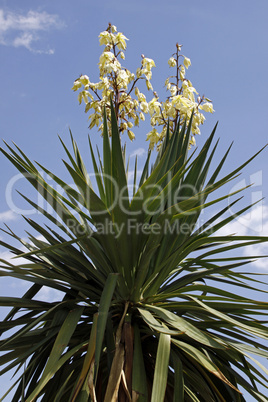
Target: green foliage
column 144, row 314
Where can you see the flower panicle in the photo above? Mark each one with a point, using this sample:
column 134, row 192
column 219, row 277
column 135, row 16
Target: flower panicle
column 131, row 105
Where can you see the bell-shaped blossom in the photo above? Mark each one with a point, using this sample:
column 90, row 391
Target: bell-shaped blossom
column 172, row 62
column 186, row 62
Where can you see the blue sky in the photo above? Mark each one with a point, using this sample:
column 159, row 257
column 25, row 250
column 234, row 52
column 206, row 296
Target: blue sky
column 45, row 46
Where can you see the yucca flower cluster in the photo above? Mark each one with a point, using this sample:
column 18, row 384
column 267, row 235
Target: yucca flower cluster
column 131, row 105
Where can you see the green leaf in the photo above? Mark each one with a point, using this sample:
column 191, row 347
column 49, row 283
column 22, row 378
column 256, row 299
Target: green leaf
column 59, row 346
column 139, row 379
column 97, row 174
column 157, row 326
column 107, row 162
column 161, row 369
column 118, row 168
column 88, row 359
column 202, row 359
column 178, row 378
column 185, row 327
column 105, row 303
column 262, row 333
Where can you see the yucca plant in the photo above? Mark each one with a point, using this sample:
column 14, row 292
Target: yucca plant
column 143, row 313
column 144, row 309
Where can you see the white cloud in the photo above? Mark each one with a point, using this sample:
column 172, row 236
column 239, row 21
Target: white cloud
column 253, row 223
column 9, row 258
column 138, row 152
column 8, row 216
column 46, row 293
column 49, row 294
column 259, row 249
column 23, row 30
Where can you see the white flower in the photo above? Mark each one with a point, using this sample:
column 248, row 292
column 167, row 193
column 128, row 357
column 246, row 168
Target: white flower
column 173, row 90
column 77, row 85
column 84, row 80
column 182, row 72
column 186, row 62
column 144, row 107
column 149, row 85
column 120, row 41
column 131, row 135
column 207, row 107
column 153, row 136
column 154, row 106
column 106, row 38
column 172, row 62
column 142, row 117
column 147, row 63
column 118, row 83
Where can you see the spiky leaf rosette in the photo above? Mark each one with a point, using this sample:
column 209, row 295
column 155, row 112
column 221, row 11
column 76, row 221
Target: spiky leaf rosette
column 143, row 312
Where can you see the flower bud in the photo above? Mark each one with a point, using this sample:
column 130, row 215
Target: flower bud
column 131, row 135
column 149, row 85
column 173, row 90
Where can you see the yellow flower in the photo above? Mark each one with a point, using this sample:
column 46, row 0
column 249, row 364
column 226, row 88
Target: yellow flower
column 154, row 106
column 173, row 90
column 122, row 79
column 192, row 141
column 186, row 62
column 106, row 38
column 108, row 63
column 120, row 41
column 84, row 80
column 172, row 62
column 138, row 72
column 188, row 93
column 116, row 80
column 123, row 126
column 182, row 72
column 207, row 107
column 141, row 97
column 106, row 57
column 153, row 137
column 137, row 120
column 148, row 63
column 131, row 135
column 144, row 107
column 142, row 117
column 83, row 95
column 77, row 85
column 167, row 84
column 149, row 85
